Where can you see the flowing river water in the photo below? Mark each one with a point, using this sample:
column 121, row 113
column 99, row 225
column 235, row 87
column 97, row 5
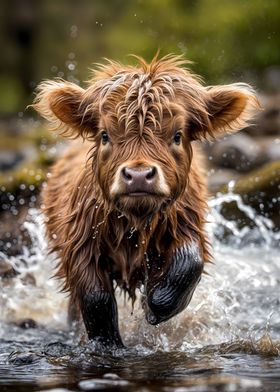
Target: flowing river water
column 228, row 339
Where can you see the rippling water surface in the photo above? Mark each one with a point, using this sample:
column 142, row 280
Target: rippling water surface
column 228, row 339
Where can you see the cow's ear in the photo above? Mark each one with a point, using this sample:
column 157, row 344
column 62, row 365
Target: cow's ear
column 228, row 109
column 64, row 104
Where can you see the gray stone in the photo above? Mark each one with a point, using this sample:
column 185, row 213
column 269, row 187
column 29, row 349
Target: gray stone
column 220, row 177
column 239, row 152
column 6, row 270
column 9, row 159
column 267, row 120
column 272, row 78
column 273, row 150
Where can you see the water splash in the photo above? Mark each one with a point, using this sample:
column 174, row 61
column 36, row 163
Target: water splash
column 131, row 232
column 219, row 227
column 235, row 305
column 33, row 293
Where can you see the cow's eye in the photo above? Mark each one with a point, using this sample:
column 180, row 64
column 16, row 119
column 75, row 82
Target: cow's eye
column 104, row 137
column 177, row 138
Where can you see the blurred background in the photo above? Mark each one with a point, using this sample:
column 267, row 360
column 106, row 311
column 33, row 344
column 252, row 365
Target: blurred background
column 227, row 41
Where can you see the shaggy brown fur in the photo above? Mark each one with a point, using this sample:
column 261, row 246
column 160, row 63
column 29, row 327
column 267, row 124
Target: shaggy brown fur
column 101, row 235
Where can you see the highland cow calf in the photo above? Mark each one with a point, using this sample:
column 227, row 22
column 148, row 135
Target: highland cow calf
column 129, row 204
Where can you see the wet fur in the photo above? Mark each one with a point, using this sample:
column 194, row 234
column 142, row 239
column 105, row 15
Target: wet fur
column 99, row 239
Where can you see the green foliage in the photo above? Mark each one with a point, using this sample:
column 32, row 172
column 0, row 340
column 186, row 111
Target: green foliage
column 227, row 40
column 31, row 172
column 28, row 177
column 11, row 94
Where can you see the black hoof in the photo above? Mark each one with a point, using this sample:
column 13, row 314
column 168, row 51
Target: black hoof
column 100, row 314
column 173, row 293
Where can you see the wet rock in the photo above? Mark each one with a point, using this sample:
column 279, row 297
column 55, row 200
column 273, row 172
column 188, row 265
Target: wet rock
column 28, row 279
column 267, row 122
column 9, row 159
column 57, row 349
column 100, row 384
column 19, row 358
column 55, row 390
column 239, row 152
column 273, row 150
column 25, row 163
column 111, row 376
column 270, row 121
column 20, row 185
column 13, row 235
column 26, row 323
column 218, row 177
column 259, row 189
column 272, row 79
column 6, row 270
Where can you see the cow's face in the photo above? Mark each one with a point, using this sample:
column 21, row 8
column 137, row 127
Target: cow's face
column 142, row 121
column 143, row 153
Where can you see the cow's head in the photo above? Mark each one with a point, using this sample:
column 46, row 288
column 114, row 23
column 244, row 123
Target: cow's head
column 142, row 121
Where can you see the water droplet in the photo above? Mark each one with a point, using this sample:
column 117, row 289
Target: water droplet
column 73, row 31
column 231, row 185
column 111, row 376
column 71, row 66
column 131, row 232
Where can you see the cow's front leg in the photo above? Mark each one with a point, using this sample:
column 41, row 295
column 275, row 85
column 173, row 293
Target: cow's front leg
column 100, row 314
column 170, row 294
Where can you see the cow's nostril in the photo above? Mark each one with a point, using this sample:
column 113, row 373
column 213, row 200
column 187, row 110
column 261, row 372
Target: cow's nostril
column 139, row 178
column 151, row 173
column 127, row 176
